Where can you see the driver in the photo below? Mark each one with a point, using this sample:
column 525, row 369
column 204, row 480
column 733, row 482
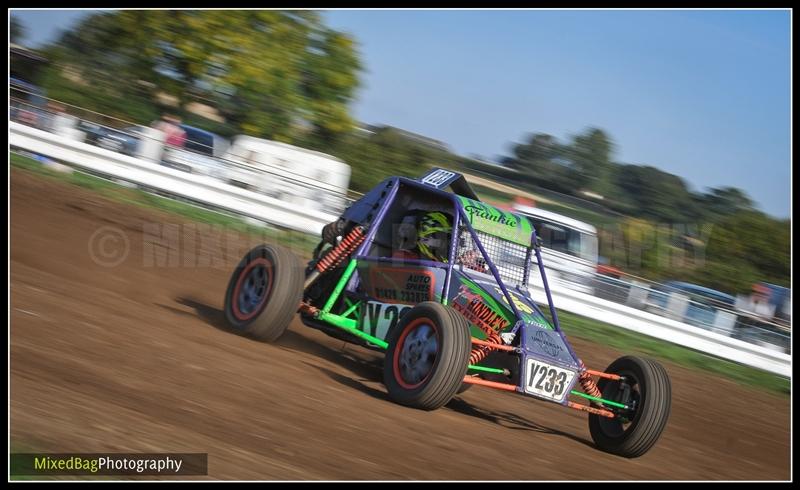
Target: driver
column 433, row 236
column 427, row 236
column 424, row 235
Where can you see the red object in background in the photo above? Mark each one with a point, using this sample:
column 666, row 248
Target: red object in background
column 609, row 271
column 177, row 139
column 759, row 288
column 27, row 117
column 524, row 201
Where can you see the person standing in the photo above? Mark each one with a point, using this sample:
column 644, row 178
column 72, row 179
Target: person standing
column 175, row 136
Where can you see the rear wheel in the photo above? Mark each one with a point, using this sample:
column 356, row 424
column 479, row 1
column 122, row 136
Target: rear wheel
column 427, row 356
column 264, row 292
column 646, row 389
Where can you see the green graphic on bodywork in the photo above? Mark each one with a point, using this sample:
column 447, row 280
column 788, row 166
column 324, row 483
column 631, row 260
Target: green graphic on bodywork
column 492, row 296
column 487, row 298
column 496, row 222
column 529, row 314
column 463, row 300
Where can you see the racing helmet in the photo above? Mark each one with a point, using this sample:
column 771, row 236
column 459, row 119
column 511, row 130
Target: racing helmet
column 433, row 236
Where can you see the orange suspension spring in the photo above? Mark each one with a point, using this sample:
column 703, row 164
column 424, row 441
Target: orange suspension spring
column 588, row 384
column 481, row 351
column 338, row 253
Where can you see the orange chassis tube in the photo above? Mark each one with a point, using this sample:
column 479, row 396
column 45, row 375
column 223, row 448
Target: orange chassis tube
column 510, row 387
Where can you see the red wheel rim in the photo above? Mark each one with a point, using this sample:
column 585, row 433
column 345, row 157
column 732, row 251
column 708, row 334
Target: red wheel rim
column 252, row 289
column 415, row 353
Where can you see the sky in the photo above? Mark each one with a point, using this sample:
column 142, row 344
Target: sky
column 704, row 95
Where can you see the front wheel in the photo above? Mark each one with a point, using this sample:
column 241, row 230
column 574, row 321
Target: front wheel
column 264, row 292
column 646, row 389
column 427, row 356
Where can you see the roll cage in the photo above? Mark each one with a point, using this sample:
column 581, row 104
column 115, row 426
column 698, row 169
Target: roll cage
column 372, row 209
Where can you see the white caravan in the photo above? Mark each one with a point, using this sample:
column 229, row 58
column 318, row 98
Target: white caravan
column 296, row 175
column 569, row 248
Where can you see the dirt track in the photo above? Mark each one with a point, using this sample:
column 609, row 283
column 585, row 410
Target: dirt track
column 136, row 358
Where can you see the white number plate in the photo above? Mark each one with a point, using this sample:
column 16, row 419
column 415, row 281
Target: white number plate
column 547, row 381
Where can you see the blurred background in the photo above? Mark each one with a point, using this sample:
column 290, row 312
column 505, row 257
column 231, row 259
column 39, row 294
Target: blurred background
column 288, row 103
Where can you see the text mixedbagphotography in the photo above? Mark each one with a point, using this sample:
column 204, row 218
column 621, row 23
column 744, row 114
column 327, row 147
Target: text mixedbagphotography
column 109, row 464
column 171, row 245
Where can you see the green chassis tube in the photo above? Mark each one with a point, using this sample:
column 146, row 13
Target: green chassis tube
column 349, row 325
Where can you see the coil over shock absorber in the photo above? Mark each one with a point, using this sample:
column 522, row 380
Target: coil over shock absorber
column 588, row 384
column 337, row 254
column 480, row 352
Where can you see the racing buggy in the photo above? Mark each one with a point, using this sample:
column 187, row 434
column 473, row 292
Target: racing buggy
column 439, row 281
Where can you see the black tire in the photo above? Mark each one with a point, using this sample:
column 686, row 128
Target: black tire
column 264, row 308
column 427, row 380
column 651, row 389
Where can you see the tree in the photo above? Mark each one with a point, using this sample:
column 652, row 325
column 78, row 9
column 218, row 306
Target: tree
column 590, row 154
column 651, row 193
column 271, row 73
column 16, row 30
column 541, row 160
column 540, row 148
column 726, row 201
column 753, row 238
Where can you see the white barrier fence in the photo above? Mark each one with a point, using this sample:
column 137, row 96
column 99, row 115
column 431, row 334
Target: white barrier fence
column 257, row 206
column 667, row 329
column 146, row 173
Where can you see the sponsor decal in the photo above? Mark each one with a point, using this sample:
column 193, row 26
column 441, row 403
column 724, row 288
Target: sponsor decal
column 544, row 342
column 488, row 215
column 521, row 305
column 495, row 222
column 407, row 286
column 477, row 312
column 377, row 319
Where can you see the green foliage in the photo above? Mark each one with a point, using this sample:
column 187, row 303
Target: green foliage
column 663, row 237
column 16, row 30
column 272, row 74
column 94, row 103
column 736, row 276
column 382, row 153
column 542, row 159
column 722, row 202
column 653, row 194
column 590, row 157
column 749, row 245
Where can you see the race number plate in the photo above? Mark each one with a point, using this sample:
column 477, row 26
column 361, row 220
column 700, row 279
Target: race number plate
column 546, row 380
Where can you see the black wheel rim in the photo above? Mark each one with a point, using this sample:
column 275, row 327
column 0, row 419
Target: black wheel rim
column 625, row 419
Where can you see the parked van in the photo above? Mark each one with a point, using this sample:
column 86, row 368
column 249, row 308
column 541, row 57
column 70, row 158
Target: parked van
column 569, row 248
column 289, row 173
column 200, row 154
